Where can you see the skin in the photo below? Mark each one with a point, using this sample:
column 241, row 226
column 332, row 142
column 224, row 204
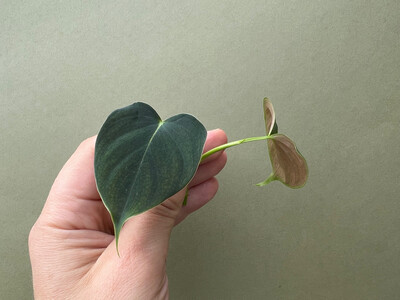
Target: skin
column 72, row 246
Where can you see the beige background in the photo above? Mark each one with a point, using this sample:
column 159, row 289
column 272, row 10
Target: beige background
column 332, row 70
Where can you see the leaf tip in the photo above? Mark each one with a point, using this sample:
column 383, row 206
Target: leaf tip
column 116, row 246
column 117, row 231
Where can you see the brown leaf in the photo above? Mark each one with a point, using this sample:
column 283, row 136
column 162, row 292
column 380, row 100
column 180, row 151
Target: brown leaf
column 288, row 164
column 269, row 116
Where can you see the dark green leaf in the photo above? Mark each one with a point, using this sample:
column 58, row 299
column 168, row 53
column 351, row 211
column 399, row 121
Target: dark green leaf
column 141, row 160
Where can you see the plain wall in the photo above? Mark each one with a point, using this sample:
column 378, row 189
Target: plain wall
column 332, row 70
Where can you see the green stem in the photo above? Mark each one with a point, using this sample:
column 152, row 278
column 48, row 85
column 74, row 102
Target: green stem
column 186, row 196
column 235, row 143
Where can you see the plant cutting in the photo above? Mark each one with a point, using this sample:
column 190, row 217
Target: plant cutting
column 141, row 160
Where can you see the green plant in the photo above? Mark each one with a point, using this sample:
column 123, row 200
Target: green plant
column 141, row 160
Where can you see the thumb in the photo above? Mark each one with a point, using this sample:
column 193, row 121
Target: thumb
column 148, row 234
column 143, row 247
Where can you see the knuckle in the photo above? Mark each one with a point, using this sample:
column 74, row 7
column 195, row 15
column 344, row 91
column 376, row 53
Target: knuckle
column 32, row 236
column 87, row 143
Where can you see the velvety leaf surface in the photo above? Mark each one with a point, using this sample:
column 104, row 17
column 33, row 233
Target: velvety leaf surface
column 141, row 160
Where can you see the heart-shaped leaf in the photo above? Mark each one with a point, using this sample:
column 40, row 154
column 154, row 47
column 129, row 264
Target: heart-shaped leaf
column 271, row 126
column 288, row 165
column 141, row 160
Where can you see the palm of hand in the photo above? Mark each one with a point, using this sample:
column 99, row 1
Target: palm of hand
column 72, row 245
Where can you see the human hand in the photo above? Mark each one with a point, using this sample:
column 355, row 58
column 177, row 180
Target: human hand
column 72, row 246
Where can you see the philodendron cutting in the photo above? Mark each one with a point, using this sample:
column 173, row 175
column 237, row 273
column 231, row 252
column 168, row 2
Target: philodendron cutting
column 141, row 160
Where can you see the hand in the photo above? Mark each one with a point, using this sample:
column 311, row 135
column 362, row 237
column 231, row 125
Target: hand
column 72, row 246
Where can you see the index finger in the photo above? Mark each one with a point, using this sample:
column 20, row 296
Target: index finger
column 215, row 138
column 76, row 178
